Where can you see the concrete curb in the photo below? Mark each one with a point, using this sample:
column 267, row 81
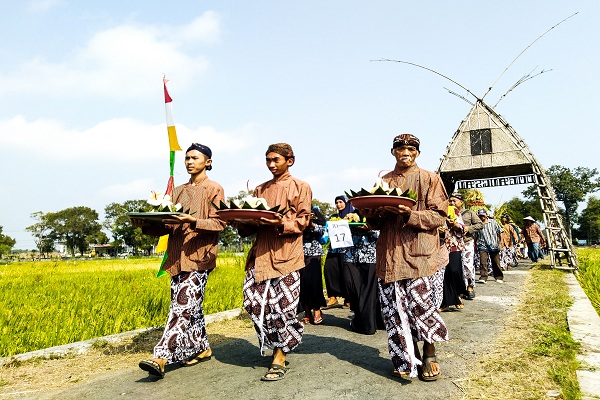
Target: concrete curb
column 85, row 345
column 584, row 324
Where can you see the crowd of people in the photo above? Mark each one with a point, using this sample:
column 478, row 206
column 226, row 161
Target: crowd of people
column 403, row 267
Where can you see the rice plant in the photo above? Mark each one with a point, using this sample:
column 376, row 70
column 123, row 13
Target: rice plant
column 46, row 304
column 589, row 274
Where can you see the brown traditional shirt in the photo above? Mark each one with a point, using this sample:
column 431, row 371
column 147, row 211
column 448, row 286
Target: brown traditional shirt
column 508, row 236
column 193, row 247
column 408, row 249
column 533, row 233
column 277, row 251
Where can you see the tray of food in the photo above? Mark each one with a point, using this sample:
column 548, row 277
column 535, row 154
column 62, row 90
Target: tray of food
column 245, row 214
column 156, row 216
column 376, row 201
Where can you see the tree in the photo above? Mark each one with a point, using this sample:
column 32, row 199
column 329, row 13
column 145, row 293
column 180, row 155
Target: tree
column 76, row 226
column 119, row 224
column 519, row 209
column 42, row 233
column 6, row 243
column 326, row 208
column 570, row 188
column 589, row 226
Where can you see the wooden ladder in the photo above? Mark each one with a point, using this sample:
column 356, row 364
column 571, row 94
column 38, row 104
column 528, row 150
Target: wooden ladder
column 560, row 248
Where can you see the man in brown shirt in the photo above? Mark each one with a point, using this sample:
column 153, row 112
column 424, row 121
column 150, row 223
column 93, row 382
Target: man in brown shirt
column 191, row 256
column 407, row 256
column 272, row 283
column 534, row 237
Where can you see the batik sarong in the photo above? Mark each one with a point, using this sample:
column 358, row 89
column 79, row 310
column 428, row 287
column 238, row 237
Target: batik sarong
column 468, row 262
column 272, row 305
column 437, row 287
column 185, row 332
column 508, row 258
column 410, row 316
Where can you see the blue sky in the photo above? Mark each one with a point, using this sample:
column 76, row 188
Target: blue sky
column 82, row 119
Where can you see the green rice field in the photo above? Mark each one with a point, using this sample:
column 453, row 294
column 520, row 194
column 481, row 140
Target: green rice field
column 49, row 303
column 589, row 274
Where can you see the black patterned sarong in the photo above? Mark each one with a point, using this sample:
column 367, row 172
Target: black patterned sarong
column 272, row 305
column 185, row 332
column 410, row 316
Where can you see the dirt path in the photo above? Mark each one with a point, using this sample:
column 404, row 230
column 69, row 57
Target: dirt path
column 332, row 362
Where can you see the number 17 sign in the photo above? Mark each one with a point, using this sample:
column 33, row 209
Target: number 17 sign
column 339, row 234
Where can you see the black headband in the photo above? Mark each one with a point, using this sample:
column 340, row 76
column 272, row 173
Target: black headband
column 201, row 148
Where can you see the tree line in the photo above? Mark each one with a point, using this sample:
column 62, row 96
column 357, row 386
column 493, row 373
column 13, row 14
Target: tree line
column 78, row 227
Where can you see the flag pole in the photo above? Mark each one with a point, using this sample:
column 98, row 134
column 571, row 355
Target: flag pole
column 173, row 147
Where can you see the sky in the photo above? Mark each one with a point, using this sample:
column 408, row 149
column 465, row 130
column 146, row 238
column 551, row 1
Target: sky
column 82, row 114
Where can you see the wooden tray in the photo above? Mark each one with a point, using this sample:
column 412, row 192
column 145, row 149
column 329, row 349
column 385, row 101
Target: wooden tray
column 240, row 214
column 381, row 200
column 151, row 216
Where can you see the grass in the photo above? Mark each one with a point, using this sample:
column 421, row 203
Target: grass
column 46, row 304
column 542, row 354
column 588, row 274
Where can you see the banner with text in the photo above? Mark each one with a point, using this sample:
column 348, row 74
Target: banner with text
column 492, row 182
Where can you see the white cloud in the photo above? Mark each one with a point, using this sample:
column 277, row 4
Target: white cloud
column 37, row 6
column 118, row 62
column 128, row 190
column 123, row 139
column 205, row 28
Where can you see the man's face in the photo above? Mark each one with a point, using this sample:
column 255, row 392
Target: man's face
column 455, row 202
column 405, row 155
column 196, row 162
column 277, row 163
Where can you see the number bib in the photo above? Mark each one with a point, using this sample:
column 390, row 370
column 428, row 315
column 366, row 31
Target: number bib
column 339, row 234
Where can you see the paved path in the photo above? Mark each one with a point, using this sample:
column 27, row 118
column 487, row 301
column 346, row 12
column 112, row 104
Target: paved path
column 332, row 362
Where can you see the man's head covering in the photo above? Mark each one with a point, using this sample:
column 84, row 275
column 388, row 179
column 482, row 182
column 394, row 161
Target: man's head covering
column 482, row 212
column 349, row 208
column 406, row 139
column 281, row 148
column 202, row 149
column 457, row 195
column 529, row 218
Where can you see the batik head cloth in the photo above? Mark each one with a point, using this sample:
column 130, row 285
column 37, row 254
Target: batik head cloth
column 457, row 195
column 201, row 148
column 281, row 148
column 406, row 139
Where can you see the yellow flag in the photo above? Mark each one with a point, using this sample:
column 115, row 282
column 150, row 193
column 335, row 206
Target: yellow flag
column 162, row 244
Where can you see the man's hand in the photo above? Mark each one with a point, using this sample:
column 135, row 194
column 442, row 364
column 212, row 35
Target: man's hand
column 277, row 221
column 370, row 212
column 399, row 210
column 180, row 219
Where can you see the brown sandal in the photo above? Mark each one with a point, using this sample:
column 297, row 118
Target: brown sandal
column 426, row 368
